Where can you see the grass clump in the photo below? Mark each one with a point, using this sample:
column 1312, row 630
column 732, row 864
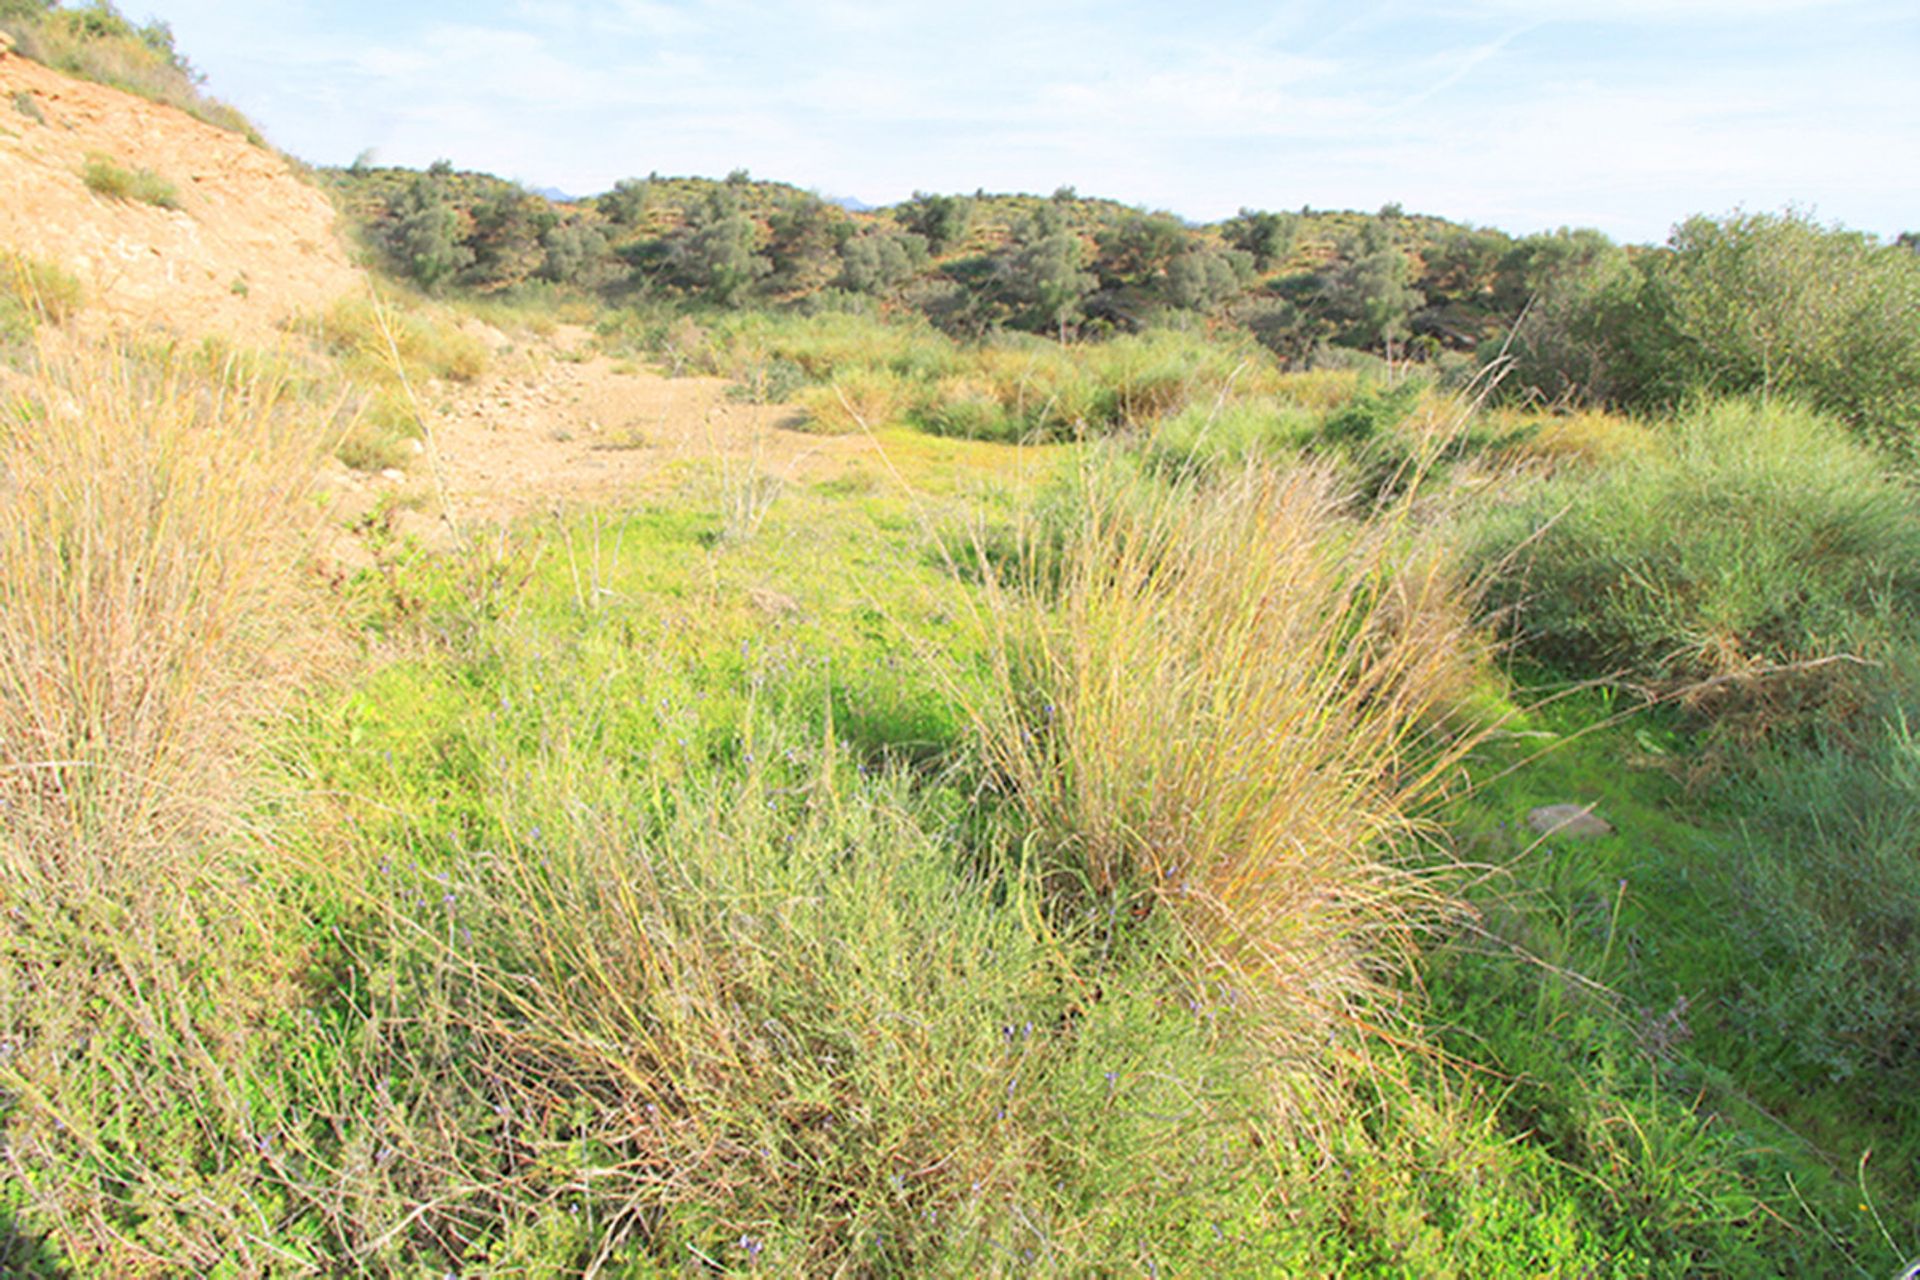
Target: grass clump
column 392, row 354
column 115, row 181
column 151, row 518
column 1754, row 559
column 32, row 292
column 1222, row 703
column 140, row 617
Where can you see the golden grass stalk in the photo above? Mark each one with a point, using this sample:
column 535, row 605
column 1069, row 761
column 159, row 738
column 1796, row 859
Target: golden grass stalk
column 149, row 520
column 1231, row 703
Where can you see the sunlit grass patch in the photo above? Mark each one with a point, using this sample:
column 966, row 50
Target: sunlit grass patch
column 108, row 178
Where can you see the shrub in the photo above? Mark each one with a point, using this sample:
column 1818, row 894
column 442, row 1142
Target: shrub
column 1778, row 304
column 1752, row 303
column 1752, row 538
column 1827, row 877
column 116, row 182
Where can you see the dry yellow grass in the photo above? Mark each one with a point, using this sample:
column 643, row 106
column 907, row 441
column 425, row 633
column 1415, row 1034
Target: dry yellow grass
column 1230, row 703
column 149, row 520
column 858, row 400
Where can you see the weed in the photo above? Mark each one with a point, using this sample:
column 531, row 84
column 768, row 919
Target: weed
column 105, row 177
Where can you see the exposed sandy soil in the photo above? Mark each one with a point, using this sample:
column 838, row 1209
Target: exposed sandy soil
column 250, row 245
column 561, row 422
column 555, row 424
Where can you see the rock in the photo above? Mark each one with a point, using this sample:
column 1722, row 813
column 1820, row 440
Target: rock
column 1573, row 821
column 394, row 474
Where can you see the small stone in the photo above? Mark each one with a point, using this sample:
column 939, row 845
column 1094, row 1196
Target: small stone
column 1574, row 821
column 393, row 473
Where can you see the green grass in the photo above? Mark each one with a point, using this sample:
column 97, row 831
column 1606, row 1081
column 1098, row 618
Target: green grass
column 116, row 181
column 1754, row 562
column 1092, row 859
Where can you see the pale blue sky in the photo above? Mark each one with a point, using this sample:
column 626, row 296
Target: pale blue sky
column 1523, row 114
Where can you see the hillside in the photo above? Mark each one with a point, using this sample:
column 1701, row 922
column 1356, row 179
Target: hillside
column 248, row 245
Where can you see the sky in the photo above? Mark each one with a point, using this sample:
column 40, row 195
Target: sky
column 1626, row 115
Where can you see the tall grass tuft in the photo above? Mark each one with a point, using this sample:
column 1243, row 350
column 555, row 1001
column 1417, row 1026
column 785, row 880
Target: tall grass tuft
column 151, row 516
column 1229, row 703
column 145, row 513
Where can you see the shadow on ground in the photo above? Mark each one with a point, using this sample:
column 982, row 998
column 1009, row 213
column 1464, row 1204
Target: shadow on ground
column 26, row 1255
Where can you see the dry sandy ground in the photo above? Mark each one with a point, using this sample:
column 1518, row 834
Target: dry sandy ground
column 555, row 425
column 250, row 245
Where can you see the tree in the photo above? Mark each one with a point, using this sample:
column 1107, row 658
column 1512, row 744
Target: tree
column 577, row 253
column 627, row 203
column 505, row 239
column 1532, row 267
column 1203, row 277
column 427, row 237
column 1043, row 272
column 942, row 220
column 1370, row 291
column 718, row 251
column 879, row 260
column 804, row 244
column 1463, row 263
column 1267, row 236
column 1136, row 249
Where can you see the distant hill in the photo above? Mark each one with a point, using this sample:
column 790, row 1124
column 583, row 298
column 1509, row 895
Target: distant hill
column 1300, row 281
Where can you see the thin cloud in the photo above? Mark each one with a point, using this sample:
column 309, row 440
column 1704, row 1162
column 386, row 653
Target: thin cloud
column 1524, row 113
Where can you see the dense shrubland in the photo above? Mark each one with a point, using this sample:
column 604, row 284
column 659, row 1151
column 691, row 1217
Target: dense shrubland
column 1774, row 304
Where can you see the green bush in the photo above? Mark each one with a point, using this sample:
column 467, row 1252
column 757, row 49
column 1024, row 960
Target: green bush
column 1780, row 304
column 1754, row 538
column 1751, row 303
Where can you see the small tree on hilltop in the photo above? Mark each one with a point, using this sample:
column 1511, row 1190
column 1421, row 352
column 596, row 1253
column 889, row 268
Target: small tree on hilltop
column 1371, row 291
column 1043, row 273
column 628, row 202
column 1267, row 236
column 942, row 220
column 878, row 260
column 428, row 235
column 718, row 251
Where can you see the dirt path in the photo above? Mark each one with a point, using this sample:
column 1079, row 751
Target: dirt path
column 555, row 424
